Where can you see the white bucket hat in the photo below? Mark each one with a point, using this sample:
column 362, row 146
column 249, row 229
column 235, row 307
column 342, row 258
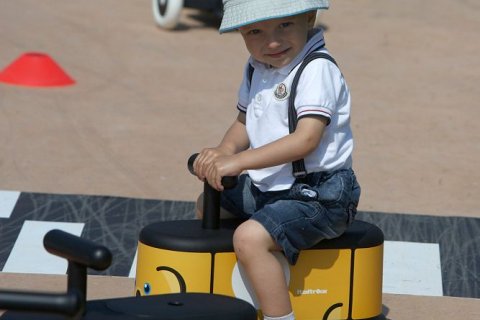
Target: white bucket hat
column 238, row 13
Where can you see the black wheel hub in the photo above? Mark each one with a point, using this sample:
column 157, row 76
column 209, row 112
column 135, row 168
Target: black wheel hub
column 162, row 6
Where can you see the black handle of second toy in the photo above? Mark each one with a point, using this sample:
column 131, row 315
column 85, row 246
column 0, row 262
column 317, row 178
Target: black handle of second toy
column 81, row 254
column 211, row 198
column 78, row 250
column 69, row 304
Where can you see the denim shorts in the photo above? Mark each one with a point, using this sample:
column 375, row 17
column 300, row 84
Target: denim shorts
column 320, row 206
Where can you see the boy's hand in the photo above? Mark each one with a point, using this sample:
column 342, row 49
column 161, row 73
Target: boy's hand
column 204, row 160
column 222, row 166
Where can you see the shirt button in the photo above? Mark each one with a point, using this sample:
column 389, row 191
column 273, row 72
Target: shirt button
column 264, row 80
column 258, row 98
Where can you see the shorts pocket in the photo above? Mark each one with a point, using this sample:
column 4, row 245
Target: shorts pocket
column 334, row 190
column 322, row 223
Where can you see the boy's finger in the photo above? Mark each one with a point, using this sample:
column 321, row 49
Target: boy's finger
column 219, row 185
column 218, row 182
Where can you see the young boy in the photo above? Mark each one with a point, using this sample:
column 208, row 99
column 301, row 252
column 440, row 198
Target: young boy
column 284, row 212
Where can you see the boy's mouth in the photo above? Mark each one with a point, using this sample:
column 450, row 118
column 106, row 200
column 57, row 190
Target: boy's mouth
column 277, row 54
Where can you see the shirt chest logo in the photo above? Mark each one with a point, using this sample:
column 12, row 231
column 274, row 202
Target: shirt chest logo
column 281, row 92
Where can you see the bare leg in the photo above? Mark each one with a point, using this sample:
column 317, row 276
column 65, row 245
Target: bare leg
column 199, row 207
column 254, row 249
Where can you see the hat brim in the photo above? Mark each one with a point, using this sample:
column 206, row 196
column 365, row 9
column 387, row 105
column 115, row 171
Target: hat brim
column 248, row 12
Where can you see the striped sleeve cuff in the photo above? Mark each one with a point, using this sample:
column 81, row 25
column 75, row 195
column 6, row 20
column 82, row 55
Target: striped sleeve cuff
column 241, row 108
column 312, row 111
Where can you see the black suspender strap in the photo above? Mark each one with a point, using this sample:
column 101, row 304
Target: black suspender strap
column 298, row 166
column 250, row 75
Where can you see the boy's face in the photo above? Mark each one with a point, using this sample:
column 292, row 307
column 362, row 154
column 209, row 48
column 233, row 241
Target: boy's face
column 277, row 41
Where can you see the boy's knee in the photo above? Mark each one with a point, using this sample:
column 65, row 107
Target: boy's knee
column 250, row 237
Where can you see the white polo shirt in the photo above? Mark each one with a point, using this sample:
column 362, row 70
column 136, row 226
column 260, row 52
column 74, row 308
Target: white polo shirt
column 321, row 91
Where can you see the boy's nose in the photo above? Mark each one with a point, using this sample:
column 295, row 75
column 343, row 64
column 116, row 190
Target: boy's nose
column 273, row 42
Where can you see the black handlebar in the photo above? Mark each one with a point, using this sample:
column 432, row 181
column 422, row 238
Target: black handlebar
column 80, row 254
column 76, row 249
column 211, row 198
column 69, row 303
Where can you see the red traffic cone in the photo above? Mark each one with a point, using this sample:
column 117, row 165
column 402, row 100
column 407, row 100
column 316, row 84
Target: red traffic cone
column 36, row 70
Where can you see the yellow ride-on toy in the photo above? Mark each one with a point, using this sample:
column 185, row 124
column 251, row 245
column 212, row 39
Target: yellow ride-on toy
column 336, row 279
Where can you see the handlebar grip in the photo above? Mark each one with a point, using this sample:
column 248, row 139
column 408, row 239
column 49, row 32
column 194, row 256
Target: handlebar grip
column 76, row 249
column 68, row 304
column 227, row 182
column 191, row 160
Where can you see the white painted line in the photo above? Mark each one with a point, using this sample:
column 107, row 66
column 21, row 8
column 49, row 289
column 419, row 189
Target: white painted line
column 8, row 199
column 412, row 268
column 28, row 254
column 133, row 268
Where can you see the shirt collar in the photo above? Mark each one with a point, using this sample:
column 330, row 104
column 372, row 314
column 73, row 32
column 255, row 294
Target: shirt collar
column 315, row 42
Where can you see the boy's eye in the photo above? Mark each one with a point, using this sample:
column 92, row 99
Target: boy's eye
column 253, row 31
column 285, row 24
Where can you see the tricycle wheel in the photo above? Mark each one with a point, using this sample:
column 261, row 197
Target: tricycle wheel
column 167, row 12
